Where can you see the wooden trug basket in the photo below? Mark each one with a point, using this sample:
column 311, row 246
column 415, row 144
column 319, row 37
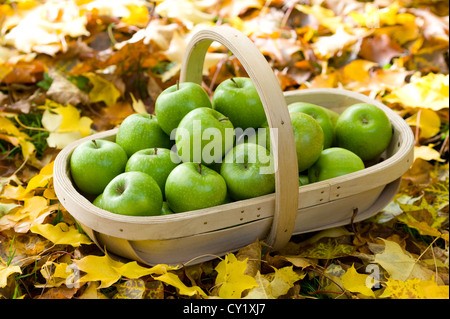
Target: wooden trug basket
column 200, row 235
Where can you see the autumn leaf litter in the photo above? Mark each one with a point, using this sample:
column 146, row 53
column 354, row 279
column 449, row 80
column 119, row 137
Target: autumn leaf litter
column 70, row 70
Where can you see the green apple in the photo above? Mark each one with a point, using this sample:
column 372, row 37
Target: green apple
column 238, row 99
column 303, row 180
column 364, row 129
column 260, row 136
column 333, row 115
column 165, row 210
column 178, row 100
column 227, row 199
column 140, row 131
column 248, row 171
column 98, row 201
column 204, row 135
column 192, row 186
column 334, row 162
column 93, row 164
column 156, row 162
column 131, row 193
column 309, row 137
column 320, row 115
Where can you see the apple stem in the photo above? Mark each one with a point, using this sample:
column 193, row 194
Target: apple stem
column 223, row 119
column 119, row 190
column 235, row 83
column 178, row 85
column 95, row 143
column 200, row 168
column 156, row 150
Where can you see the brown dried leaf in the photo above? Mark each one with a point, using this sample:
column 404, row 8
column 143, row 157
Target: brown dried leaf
column 65, row 92
column 380, row 49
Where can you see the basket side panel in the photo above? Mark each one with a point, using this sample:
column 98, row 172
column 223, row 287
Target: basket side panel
column 188, row 250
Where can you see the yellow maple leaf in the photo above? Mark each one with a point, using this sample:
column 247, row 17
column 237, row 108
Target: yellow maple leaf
column 64, row 123
column 430, row 91
column 414, row 288
column 274, row 285
column 108, row 271
column 174, row 280
column 357, row 70
column 428, row 122
column 428, row 153
column 55, row 274
column 138, row 105
column 14, row 192
column 282, row 280
column 5, row 271
column 92, row 291
column 326, row 17
column 427, row 222
column 71, row 120
column 231, row 278
column 262, row 291
column 34, row 211
column 40, row 180
column 138, row 16
column 31, row 208
column 400, row 264
column 355, row 282
column 399, row 26
column 61, row 234
column 103, row 90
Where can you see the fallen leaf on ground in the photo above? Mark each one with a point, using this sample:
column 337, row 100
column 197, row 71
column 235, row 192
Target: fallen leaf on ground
column 64, row 123
column 355, row 282
column 428, row 122
column 231, row 279
column 61, row 234
column 399, row 264
column 103, row 90
column 415, row 288
column 64, row 91
column 108, row 271
column 428, row 153
column 430, row 91
column 174, row 280
column 6, row 271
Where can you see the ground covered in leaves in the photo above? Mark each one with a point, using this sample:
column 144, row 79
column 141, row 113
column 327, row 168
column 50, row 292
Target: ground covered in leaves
column 71, row 68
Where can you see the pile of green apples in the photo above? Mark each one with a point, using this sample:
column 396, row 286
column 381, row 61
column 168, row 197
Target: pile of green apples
column 197, row 152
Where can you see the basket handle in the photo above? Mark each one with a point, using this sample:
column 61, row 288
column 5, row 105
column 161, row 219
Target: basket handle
column 268, row 88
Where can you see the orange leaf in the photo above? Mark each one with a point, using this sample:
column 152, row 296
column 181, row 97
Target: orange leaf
column 25, row 72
